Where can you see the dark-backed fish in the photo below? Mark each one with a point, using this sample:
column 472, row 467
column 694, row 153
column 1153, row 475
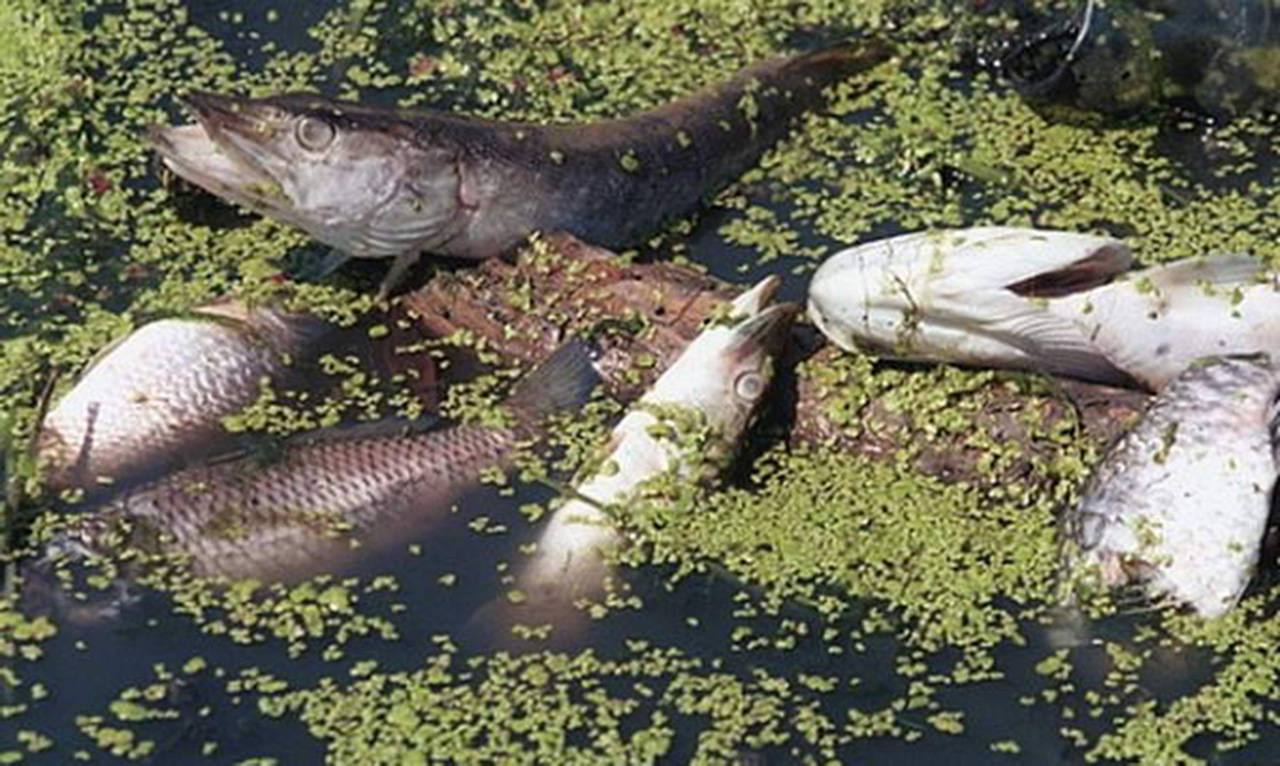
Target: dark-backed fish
column 1179, row 507
column 156, row 398
column 375, row 182
column 241, row 517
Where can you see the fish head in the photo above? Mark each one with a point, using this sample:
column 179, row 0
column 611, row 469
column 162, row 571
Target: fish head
column 350, row 176
column 977, row 296
column 725, row 372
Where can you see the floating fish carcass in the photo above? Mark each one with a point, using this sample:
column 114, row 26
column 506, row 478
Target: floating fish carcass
column 686, row 426
column 1048, row 301
column 156, row 398
column 376, row 182
column 243, row 516
column 1179, row 507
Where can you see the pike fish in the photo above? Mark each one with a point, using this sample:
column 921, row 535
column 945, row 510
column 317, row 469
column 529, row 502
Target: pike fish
column 1179, row 507
column 391, row 183
column 1050, row 301
column 155, row 398
column 718, row 382
column 242, row 518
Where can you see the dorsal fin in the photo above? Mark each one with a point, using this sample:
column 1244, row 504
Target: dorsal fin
column 563, row 381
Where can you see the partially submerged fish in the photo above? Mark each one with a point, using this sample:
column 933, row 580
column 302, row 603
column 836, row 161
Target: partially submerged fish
column 376, row 182
column 1179, row 506
column 1042, row 300
column 713, row 388
column 981, row 296
column 156, row 398
column 239, row 517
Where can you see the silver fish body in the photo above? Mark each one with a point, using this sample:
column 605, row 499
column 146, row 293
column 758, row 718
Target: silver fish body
column 1179, row 506
column 1047, row 301
column 299, row 515
column 156, row 398
column 304, row 512
column 972, row 296
column 718, row 382
column 390, row 183
column 1154, row 322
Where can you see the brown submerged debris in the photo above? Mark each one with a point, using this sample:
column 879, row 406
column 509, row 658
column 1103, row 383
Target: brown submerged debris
column 638, row 315
column 642, row 314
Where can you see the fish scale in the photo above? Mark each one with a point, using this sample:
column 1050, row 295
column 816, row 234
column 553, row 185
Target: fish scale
column 233, row 517
column 242, row 517
column 1180, row 504
column 157, row 397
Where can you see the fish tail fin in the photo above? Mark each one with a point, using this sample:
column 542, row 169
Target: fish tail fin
column 564, row 381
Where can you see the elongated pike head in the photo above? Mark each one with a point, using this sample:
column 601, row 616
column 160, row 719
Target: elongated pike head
column 352, row 177
column 976, row 296
column 725, row 372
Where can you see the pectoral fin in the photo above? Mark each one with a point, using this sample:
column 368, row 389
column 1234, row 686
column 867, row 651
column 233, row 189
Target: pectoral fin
column 395, row 275
column 1060, row 346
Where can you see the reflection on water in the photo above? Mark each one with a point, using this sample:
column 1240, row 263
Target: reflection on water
column 695, row 657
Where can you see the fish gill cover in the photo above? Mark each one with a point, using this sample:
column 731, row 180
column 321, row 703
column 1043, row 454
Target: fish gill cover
column 828, row 607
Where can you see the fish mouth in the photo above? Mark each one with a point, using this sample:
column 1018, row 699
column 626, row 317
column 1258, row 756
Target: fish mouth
column 753, row 301
column 761, row 327
column 227, row 151
column 765, row 333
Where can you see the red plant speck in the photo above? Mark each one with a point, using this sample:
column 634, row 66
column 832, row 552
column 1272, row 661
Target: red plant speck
column 99, row 184
column 421, row 66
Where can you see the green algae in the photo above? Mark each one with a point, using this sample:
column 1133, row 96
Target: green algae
column 933, row 561
column 549, row 707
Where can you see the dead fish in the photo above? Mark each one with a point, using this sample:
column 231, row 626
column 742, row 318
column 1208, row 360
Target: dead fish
column 1154, row 322
column 238, row 517
column 718, row 382
column 1179, row 507
column 156, row 398
column 377, row 183
column 983, row 296
column 1043, row 300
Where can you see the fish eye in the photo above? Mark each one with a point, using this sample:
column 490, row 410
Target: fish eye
column 315, row 134
column 749, row 385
